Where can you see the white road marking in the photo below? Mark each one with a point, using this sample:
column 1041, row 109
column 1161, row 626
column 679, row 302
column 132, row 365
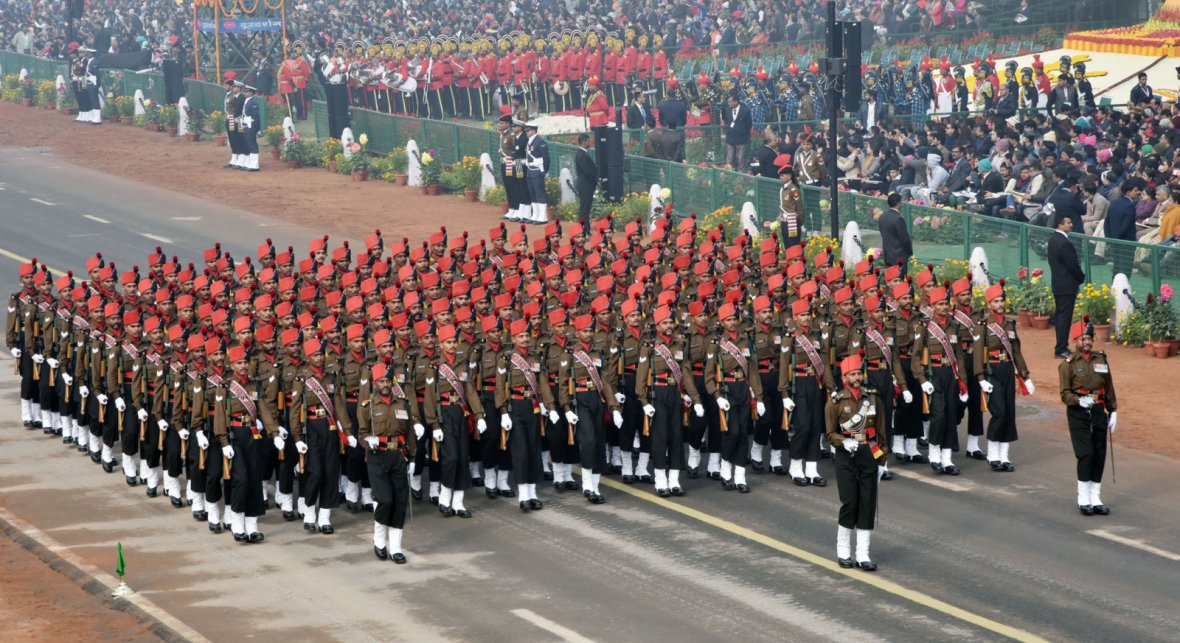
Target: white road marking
column 155, row 237
column 41, row 201
column 267, row 225
column 79, row 236
column 140, row 601
column 187, row 218
column 940, row 482
column 1136, row 544
column 564, row 633
column 94, row 218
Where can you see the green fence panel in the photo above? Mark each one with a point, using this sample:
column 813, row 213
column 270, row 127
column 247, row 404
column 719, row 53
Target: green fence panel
column 440, row 136
column 319, row 115
column 692, row 189
column 39, row 68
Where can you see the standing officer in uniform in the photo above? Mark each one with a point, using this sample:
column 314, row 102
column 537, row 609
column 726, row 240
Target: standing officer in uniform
column 233, row 113
column 385, row 420
column 1087, row 390
column 536, row 169
column 998, row 363
column 856, row 430
column 251, row 122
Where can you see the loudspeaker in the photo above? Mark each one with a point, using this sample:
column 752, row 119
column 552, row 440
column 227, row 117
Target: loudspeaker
column 852, row 79
column 608, row 154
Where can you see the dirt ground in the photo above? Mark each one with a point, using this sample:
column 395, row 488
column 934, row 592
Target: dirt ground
column 311, row 197
column 39, row 604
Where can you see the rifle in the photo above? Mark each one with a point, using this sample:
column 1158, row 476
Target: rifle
column 37, row 346
column 167, row 400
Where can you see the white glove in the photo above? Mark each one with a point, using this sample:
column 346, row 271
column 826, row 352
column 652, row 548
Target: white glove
column 352, row 441
column 544, row 410
column 38, row 358
column 986, row 387
column 65, row 377
column 227, row 451
column 102, row 399
column 788, row 404
column 437, row 434
column 52, row 363
column 963, row 397
column 760, row 408
column 16, row 353
column 571, row 417
column 120, row 404
column 283, row 432
column 372, row 441
column 301, row 447
column 649, row 410
column 258, row 425
column 481, row 425
column 83, row 391
column 927, row 388
column 247, row 121
column 687, row 399
column 907, row 397
column 554, row 417
column 1112, row 421
column 723, row 404
column 620, row 398
column 850, row 445
column 419, row 431
column 1031, row 388
column 505, row 422
column 699, row 410
column 410, row 469
column 279, row 443
column 163, row 425
column 142, row 415
column 618, row 418
column 183, row 433
column 1085, row 401
column 202, row 441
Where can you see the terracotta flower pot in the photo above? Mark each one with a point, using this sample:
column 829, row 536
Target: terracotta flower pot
column 504, row 208
column 1040, row 322
column 1173, row 346
column 69, row 111
column 471, row 195
column 1101, row 333
column 193, row 137
column 425, row 189
column 332, row 166
column 172, row 132
column 126, row 120
column 360, row 176
column 275, row 153
column 1025, row 318
column 49, row 105
column 151, row 127
column 1157, row 349
column 294, row 165
column 220, row 140
column 434, row 190
column 27, row 102
column 400, row 179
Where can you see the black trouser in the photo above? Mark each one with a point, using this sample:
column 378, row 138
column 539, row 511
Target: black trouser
column 591, row 431
column 28, row 386
column 771, row 423
column 245, row 473
column 667, row 428
column 1002, row 403
column 944, row 431
column 170, row 459
column 337, row 103
column 231, row 136
column 807, row 420
column 972, row 409
column 249, row 140
column 907, row 418
column 585, row 201
column 67, row 407
column 856, row 480
column 321, row 476
column 354, row 465
column 286, row 467
column 454, row 472
column 195, row 473
column 735, row 439
column 1087, row 432
column 492, row 455
column 1063, row 317
column 391, row 490
column 561, row 446
column 424, row 461
column 82, row 97
column 150, row 449
column 705, row 432
column 882, row 381
column 128, row 431
column 632, row 411
column 525, row 439
column 46, row 394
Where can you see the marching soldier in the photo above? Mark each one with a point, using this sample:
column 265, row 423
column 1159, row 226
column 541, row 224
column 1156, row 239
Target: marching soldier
column 385, row 428
column 125, row 382
column 969, row 326
column 704, row 432
column 937, row 364
column 522, row 395
column 803, row 375
column 585, row 395
column 1087, row 390
column 768, row 339
column 22, row 328
column 453, row 408
column 1000, row 368
column 318, row 438
column 857, row 431
column 208, row 393
column 728, row 380
column 240, row 433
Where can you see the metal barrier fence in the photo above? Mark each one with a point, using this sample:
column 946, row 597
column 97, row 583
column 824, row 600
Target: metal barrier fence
column 124, row 82
column 39, row 68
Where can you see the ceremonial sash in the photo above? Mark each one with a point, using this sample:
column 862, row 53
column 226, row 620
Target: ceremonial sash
column 998, row 331
column 325, row 400
column 965, row 320
column 244, row 398
column 876, row 338
column 671, row 362
column 947, row 350
column 452, row 379
column 131, row 350
column 80, row 323
column 522, row 364
column 817, row 364
column 591, row 370
column 736, row 354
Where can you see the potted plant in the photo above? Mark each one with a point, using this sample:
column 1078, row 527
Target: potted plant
column 153, row 118
column 215, row 125
column 111, row 111
column 399, row 160
column 1018, row 294
column 69, row 104
column 332, row 149
column 196, row 123
column 28, row 92
column 496, row 196
column 1096, row 303
column 1162, row 322
column 468, row 171
column 126, row 106
column 274, row 138
column 47, row 93
column 293, row 152
column 431, row 174
column 344, row 164
column 170, row 118
column 1039, row 302
column 360, row 162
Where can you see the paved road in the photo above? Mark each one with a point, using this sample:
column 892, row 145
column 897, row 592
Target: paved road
column 981, row 556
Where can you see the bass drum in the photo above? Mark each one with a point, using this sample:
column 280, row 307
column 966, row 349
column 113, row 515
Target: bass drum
column 409, row 86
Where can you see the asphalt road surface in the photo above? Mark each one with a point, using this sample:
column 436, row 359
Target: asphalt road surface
column 980, row 556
